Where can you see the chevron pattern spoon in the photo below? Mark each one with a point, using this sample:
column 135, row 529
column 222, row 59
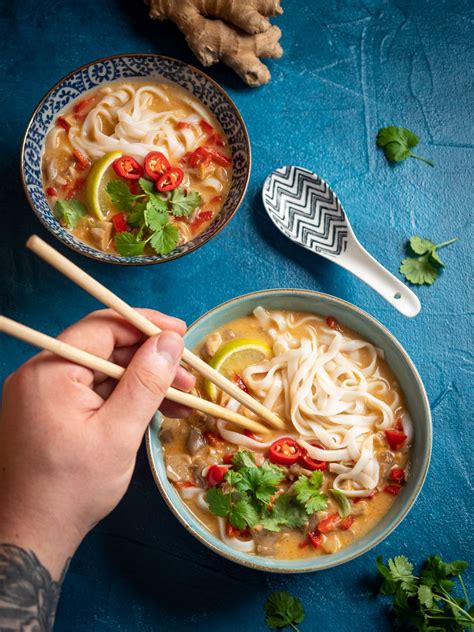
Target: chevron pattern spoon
column 306, row 210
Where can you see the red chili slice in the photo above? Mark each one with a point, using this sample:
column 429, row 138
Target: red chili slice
column 346, row 523
column 395, row 439
column 311, row 464
column 219, row 158
column 215, row 139
column 51, row 191
column 233, row 532
column 128, row 168
column 240, row 383
column 398, row 474
column 329, row 524
column 398, row 425
column 216, row 199
column 359, row 499
column 315, row 539
column 250, row 435
column 284, row 451
column 332, row 322
column 183, row 484
column 81, row 161
column 120, row 223
column 72, row 188
column 170, row 180
column 156, row 164
column 394, row 489
column 61, row 121
column 215, row 475
column 183, row 125
column 201, row 217
column 199, row 157
column 206, row 127
column 213, row 439
column 80, row 106
column 228, row 457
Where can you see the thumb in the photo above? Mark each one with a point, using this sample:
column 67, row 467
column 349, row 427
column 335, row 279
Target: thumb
column 142, row 387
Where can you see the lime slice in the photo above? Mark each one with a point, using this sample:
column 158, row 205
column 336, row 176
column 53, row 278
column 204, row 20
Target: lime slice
column 234, row 356
column 95, row 195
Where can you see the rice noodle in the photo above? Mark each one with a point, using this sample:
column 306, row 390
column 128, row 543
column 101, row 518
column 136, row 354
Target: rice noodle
column 126, row 119
column 318, row 382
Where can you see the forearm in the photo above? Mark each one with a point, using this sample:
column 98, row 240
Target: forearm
column 28, row 594
column 34, row 558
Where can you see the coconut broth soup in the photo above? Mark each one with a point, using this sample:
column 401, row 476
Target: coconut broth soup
column 136, row 167
column 336, row 470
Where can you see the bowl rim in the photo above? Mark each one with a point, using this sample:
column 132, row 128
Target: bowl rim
column 111, row 58
column 404, row 510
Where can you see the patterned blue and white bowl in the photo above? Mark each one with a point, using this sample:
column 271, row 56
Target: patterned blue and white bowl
column 143, row 66
column 403, row 369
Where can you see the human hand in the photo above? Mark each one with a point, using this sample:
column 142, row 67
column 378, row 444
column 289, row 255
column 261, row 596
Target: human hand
column 69, row 436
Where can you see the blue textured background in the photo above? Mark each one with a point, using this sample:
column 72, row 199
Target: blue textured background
column 349, row 68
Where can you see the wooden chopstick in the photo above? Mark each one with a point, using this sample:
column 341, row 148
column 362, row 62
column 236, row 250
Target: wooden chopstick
column 105, row 296
column 38, row 339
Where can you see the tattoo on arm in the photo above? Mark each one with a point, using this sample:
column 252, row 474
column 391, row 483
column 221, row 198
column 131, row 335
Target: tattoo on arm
column 28, row 594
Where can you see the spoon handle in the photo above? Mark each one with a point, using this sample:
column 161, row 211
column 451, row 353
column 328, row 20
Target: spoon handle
column 357, row 260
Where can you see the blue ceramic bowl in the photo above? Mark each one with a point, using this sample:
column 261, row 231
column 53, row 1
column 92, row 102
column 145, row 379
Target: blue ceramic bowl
column 405, row 372
column 141, row 66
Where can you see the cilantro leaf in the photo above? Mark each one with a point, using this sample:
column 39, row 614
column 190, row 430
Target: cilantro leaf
column 286, row 511
column 147, row 186
column 166, row 239
column 120, row 195
column 243, row 514
column 155, row 218
column 425, row 603
column 283, row 609
column 243, row 458
column 219, row 503
column 345, row 507
column 262, row 481
column 309, row 494
column 420, row 246
column 136, row 217
column 419, row 271
column 233, row 478
column 397, row 143
column 128, row 245
column 183, row 204
column 69, row 212
column 425, row 268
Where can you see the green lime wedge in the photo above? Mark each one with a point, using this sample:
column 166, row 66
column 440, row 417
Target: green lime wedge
column 233, row 357
column 95, row 184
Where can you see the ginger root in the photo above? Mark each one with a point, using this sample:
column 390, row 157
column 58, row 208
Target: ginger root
column 237, row 32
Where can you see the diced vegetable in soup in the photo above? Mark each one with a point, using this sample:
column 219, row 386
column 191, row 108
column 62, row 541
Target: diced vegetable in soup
column 136, row 167
column 336, row 470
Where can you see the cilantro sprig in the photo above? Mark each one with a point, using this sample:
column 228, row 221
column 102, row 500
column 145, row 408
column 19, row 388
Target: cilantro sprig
column 308, row 492
column 424, row 268
column 397, row 143
column 69, row 212
column 426, row 602
column 283, row 609
column 148, row 213
column 250, row 495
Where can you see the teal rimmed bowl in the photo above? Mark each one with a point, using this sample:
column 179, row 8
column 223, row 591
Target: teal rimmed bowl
column 405, row 372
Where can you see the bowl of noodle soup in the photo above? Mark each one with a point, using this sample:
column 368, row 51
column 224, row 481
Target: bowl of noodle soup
column 347, row 391
column 135, row 159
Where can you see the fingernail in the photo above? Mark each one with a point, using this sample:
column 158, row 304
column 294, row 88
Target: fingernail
column 170, row 346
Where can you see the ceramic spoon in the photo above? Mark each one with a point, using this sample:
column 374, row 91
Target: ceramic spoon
column 309, row 213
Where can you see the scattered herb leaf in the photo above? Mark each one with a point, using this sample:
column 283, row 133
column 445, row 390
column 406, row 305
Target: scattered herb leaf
column 425, row 603
column 425, row 268
column 397, row 143
column 69, row 212
column 120, row 195
column 166, row 239
column 283, row 609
